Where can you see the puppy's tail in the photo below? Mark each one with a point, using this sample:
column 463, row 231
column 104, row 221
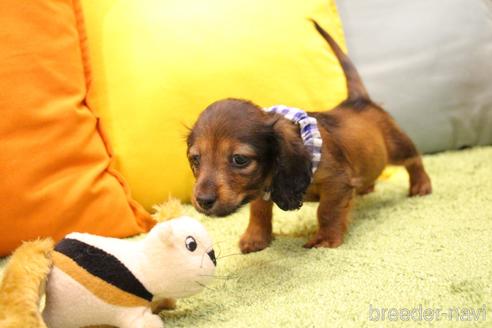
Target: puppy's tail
column 23, row 285
column 355, row 86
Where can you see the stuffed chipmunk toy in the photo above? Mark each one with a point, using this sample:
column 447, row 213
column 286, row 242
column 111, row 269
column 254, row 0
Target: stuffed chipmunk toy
column 23, row 283
column 102, row 281
column 98, row 280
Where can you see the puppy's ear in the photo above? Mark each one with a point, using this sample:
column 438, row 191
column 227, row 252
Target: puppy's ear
column 292, row 167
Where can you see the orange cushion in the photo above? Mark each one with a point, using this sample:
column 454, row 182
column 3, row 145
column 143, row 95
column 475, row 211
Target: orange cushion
column 54, row 161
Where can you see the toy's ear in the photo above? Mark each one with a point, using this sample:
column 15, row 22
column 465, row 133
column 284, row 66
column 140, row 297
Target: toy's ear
column 166, row 234
column 292, row 168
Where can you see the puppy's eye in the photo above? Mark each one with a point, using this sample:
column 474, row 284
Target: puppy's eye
column 195, row 160
column 240, row 160
column 190, row 243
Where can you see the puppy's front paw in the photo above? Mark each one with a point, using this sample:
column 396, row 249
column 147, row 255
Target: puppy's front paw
column 324, row 240
column 253, row 242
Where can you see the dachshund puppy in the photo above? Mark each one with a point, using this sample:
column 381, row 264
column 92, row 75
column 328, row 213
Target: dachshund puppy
column 241, row 153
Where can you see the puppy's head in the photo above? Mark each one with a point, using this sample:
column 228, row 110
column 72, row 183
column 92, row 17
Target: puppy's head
column 237, row 152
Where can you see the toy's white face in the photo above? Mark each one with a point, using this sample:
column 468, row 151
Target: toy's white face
column 186, row 251
column 196, row 260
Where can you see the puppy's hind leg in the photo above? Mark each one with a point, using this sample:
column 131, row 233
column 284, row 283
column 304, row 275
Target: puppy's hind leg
column 402, row 151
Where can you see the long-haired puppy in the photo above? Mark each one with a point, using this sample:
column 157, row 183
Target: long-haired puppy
column 241, row 153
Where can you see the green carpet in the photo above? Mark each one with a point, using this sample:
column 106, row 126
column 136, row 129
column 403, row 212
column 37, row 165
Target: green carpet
column 411, row 255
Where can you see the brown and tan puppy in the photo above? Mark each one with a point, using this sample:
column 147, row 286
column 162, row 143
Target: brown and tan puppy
column 238, row 152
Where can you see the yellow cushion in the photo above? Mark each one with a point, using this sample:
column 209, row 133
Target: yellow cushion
column 156, row 64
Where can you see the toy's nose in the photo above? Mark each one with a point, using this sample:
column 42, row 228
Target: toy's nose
column 211, row 254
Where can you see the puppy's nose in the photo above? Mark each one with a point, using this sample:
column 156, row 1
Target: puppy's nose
column 206, row 201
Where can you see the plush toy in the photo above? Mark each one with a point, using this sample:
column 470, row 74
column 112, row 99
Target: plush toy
column 98, row 281
column 107, row 281
column 23, row 285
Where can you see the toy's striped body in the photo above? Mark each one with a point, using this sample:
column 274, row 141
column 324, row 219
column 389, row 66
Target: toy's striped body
column 107, row 281
column 81, row 289
column 81, row 308
column 101, row 273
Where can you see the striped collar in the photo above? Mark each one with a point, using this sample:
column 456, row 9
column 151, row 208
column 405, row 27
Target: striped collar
column 308, row 127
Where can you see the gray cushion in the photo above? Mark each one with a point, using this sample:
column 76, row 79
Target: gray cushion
column 429, row 63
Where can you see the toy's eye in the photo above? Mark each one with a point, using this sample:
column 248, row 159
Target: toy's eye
column 190, row 243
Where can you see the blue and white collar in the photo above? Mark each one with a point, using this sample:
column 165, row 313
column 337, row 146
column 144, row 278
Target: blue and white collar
column 308, row 126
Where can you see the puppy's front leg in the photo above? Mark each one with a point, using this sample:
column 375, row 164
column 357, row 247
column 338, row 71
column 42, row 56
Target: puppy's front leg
column 333, row 219
column 258, row 235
